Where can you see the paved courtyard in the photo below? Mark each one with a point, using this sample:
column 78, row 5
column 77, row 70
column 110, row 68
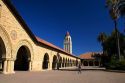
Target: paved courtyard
column 87, row 76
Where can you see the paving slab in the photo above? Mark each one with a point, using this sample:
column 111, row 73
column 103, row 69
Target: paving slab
column 56, row 76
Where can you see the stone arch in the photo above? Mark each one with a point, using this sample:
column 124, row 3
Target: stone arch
column 22, row 59
column 45, row 64
column 70, row 62
column 2, row 53
column 6, row 39
column 63, row 62
column 76, row 62
column 90, row 63
column 28, row 45
column 60, row 62
column 54, row 63
column 85, row 63
column 66, row 62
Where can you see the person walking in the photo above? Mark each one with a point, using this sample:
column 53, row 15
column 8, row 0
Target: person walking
column 79, row 69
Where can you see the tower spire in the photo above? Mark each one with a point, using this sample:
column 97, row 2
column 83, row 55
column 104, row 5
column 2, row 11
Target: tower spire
column 67, row 33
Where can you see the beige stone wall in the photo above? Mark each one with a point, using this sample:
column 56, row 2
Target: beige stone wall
column 14, row 36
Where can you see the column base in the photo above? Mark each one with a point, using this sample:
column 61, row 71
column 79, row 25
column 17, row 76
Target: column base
column 4, row 72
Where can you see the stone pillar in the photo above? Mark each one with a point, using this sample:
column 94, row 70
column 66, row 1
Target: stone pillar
column 93, row 63
column 11, row 65
column 50, row 65
column 64, row 65
column 0, row 64
column 30, row 65
column 88, row 63
column 8, row 67
column 5, row 67
column 55, row 65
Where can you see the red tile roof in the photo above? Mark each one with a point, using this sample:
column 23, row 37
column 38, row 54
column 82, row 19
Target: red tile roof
column 53, row 46
column 46, row 43
column 87, row 55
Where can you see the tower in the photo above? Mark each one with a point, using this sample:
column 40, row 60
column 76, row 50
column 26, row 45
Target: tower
column 68, row 43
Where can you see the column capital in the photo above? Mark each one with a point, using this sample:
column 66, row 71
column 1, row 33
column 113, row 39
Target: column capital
column 8, row 59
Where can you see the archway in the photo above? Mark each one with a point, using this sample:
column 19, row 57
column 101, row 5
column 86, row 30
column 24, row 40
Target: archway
column 85, row 63
column 22, row 59
column 96, row 63
column 77, row 62
column 66, row 63
column 60, row 62
column 63, row 63
column 45, row 61
column 54, row 64
column 70, row 62
column 2, row 53
column 90, row 63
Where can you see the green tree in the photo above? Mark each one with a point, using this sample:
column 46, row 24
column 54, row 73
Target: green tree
column 109, row 43
column 102, row 37
column 113, row 7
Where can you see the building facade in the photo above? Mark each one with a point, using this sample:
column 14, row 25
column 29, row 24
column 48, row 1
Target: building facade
column 21, row 50
column 91, row 59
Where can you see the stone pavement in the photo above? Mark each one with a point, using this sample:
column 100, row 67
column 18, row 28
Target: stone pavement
column 64, row 76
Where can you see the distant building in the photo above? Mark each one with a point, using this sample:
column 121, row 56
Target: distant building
column 91, row 59
column 68, row 43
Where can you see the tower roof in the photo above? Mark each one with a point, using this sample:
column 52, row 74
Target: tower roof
column 67, row 33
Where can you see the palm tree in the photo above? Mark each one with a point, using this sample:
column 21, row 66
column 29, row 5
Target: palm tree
column 122, row 7
column 102, row 37
column 114, row 10
column 119, row 6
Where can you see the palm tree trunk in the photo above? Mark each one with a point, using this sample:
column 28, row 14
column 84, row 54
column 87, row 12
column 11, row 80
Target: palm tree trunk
column 117, row 40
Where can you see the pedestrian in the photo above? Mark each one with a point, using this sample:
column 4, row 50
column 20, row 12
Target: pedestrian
column 79, row 68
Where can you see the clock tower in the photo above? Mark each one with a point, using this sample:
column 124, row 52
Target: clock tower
column 68, row 43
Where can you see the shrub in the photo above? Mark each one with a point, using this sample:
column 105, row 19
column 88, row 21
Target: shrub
column 115, row 64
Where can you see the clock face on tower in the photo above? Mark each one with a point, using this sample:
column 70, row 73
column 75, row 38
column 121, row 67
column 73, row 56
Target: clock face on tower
column 13, row 35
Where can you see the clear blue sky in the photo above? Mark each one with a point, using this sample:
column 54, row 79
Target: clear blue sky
column 51, row 19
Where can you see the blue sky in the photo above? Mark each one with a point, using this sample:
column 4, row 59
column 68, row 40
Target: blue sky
column 84, row 19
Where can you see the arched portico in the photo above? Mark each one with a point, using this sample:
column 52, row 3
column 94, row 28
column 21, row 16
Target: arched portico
column 77, row 63
column 85, row 63
column 5, row 49
column 90, row 63
column 66, row 63
column 22, row 59
column 54, row 63
column 2, row 53
column 28, row 48
column 60, row 62
column 70, row 63
column 63, row 63
column 45, row 64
